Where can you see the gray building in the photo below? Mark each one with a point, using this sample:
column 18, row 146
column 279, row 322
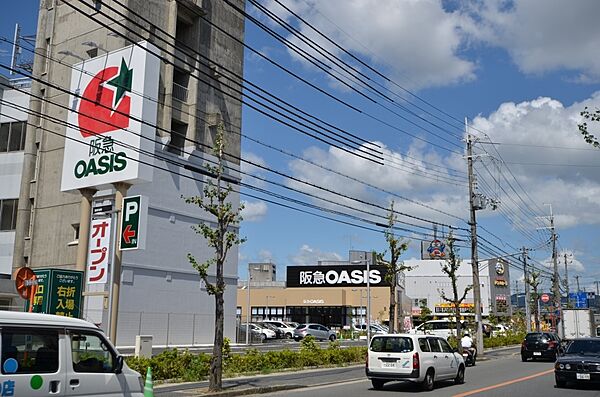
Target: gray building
column 13, row 99
column 262, row 272
column 160, row 294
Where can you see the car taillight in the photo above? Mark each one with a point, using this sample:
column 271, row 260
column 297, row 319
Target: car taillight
column 552, row 344
column 416, row 363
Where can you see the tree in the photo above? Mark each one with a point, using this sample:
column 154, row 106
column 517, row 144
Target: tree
column 394, row 266
column 450, row 268
column 425, row 313
column 583, row 126
column 534, row 282
column 215, row 202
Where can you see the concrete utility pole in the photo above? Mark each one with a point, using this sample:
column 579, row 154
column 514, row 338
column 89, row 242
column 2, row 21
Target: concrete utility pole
column 577, row 279
column 474, row 261
column 556, row 281
column 597, row 288
column 566, row 280
column 527, row 295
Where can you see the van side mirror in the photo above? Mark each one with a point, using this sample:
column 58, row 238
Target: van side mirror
column 119, row 366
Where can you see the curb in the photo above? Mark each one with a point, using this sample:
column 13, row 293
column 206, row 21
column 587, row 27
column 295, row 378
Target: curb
column 252, row 390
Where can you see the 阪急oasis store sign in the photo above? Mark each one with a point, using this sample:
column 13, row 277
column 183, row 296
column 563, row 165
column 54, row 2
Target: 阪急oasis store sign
column 106, row 141
column 335, row 276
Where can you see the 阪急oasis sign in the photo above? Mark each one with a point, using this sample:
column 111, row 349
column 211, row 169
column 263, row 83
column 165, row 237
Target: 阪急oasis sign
column 106, row 141
column 335, row 276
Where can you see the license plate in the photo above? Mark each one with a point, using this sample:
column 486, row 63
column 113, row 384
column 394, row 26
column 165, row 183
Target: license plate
column 583, row 376
column 388, row 365
column 537, row 353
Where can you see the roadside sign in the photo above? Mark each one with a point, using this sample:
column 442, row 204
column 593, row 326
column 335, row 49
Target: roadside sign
column 545, row 298
column 132, row 233
column 58, row 292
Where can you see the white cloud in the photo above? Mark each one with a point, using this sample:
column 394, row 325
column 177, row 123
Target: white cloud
column 307, row 255
column 574, row 265
column 265, row 255
column 419, row 40
column 254, row 211
column 544, row 35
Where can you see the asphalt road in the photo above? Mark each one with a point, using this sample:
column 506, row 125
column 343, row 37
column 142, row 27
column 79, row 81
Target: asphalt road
column 352, row 377
column 503, row 375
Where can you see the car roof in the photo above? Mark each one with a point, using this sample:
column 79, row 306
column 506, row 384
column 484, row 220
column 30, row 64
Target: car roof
column 19, row 318
column 406, row 335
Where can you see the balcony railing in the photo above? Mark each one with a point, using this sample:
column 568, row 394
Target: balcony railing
column 180, row 92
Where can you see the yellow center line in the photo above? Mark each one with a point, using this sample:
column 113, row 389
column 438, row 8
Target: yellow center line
column 498, row 385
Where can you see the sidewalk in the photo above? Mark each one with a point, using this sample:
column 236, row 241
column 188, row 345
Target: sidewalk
column 289, row 380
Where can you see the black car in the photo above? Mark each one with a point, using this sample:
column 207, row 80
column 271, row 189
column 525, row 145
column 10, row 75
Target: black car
column 580, row 362
column 540, row 345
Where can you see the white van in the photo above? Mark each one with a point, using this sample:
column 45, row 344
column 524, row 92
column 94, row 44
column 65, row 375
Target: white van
column 48, row 355
column 442, row 328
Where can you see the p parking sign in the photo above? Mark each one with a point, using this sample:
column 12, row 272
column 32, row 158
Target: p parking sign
column 132, row 233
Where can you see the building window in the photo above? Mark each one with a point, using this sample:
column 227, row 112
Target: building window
column 181, row 81
column 178, row 134
column 8, row 214
column 31, row 216
column 12, row 137
column 43, row 107
column 47, row 63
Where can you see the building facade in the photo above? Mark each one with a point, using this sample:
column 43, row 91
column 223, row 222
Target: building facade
column 160, row 293
column 14, row 100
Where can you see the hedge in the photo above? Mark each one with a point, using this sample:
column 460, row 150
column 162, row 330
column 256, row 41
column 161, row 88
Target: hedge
column 182, row 365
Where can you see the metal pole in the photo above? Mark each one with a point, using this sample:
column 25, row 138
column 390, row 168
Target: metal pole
column 474, row 262
column 368, row 302
column 555, row 284
column 578, row 289
column 567, row 280
column 527, row 294
column 248, row 311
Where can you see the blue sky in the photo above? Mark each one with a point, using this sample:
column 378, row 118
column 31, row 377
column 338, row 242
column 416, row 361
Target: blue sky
column 519, row 71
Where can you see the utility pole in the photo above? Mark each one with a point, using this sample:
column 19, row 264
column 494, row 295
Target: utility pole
column 556, row 280
column 577, row 279
column 597, row 289
column 527, row 295
column 567, row 280
column 474, row 260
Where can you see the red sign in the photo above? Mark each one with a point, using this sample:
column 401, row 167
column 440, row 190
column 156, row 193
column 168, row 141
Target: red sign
column 545, row 298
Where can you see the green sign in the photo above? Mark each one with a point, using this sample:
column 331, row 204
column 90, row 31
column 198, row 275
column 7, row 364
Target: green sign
column 58, row 292
column 133, row 220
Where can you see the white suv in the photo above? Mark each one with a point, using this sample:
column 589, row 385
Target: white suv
column 421, row 359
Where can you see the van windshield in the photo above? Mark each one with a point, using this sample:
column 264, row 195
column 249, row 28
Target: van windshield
column 394, row 344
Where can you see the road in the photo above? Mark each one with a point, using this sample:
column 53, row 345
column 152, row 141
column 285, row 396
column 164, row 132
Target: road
column 504, row 375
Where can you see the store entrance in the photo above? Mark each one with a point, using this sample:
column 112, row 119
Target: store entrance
column 329, row 316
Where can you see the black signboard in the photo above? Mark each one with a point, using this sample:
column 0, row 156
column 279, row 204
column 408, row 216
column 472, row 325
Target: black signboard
column 335, row 276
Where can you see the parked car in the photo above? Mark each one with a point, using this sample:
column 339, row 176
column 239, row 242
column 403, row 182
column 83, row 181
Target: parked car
column 279, row 334
column 67, row 356
column 499, row 330
column 580, row 363
column 375, row 328
column 318, row 331
column 540, row 345
column 285, row 328
column 256, row 331
column 414, row 358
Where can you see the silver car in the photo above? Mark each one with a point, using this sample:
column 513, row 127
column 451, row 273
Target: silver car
column 318, row 331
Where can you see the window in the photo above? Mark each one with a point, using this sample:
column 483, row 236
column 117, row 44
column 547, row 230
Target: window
column 178, row 134
column 445, row 346
column 392, row 345
column 435, row 346
column 91, row 353
column 32, row 351
column 12, row 137
column 8, row 214
column 47, row 63
column 424, row 345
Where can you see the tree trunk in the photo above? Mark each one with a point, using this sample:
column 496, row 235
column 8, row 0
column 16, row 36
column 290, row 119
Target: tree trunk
column 216, row 362
column 392, row 315
column 458, row 325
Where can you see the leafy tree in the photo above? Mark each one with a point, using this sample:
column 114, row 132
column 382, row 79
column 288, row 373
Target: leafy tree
column 583, row 126
column 394, row 266
column 533, row 280
column 450, row 268
column 425, row 314
column 219, row 237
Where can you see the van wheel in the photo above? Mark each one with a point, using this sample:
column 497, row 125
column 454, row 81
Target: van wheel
column 332, row 338
column 460, row 376
column 428, row 381
column 377, row 384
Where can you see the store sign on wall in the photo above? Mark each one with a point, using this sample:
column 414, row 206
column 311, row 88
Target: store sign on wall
column 335, row 276
column 106, row 142
column 98, row 251
column 58, row 292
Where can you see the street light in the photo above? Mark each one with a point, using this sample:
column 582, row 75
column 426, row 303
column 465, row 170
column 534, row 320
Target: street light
column 368, row 263
column 362, row 316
